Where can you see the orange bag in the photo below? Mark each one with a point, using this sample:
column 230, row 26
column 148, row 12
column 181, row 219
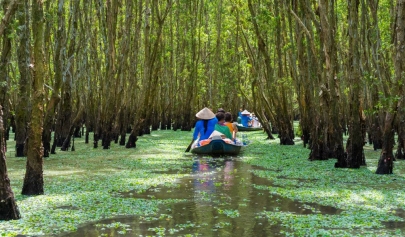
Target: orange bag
column 205, row 142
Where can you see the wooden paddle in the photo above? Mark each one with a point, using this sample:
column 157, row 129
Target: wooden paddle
column 189, row 146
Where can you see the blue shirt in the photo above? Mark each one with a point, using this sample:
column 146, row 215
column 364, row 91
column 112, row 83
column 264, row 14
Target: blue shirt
column 245, row 120
column 199, row 129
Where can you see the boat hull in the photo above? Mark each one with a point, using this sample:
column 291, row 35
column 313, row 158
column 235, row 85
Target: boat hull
column 217, row 147
column 246, row 129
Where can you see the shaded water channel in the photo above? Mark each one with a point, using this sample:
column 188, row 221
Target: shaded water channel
column 218, row 200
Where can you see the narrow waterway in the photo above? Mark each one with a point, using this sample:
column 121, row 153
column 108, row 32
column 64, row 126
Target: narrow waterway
column 219, row 199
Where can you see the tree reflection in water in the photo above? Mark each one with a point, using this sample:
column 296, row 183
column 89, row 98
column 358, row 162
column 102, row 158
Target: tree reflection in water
column 221, row 200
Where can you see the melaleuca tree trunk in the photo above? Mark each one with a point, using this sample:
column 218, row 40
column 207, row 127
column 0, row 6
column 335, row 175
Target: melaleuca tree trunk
column 124, row 70
column 284, row 116
column 328, row 33
column 5, row 57
column 59, row 59
column 190, row 81
column 9, row 9
column 376, row 132
column 326, row 132
column 64, row 118
column 22, row 111
column 77, row 122
column 141, row 115
column 33, row 180
column 264, row 114
column 400, row 153
column 400, row 77
column 303, row 84
column 267, row 81
column 153, row 29
column 155, row 121
column 380, row 68
column 124, row 124
column 163, row 120
column 315, row 125
column 8, row 206
column 385, row 163
column 110, row 79
column 355, row 143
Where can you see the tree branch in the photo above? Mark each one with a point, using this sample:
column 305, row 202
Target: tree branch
column 12, row 7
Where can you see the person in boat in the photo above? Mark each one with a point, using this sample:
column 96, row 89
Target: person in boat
column 245, row 119
column 232, row 126
column 204, row 126
column 254, row 121
column 221, row 110
column 221, row 127
column 239, row 119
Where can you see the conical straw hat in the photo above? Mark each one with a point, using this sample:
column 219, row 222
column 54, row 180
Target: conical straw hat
column 216, row 133
column 205, row 114
column 245, row 112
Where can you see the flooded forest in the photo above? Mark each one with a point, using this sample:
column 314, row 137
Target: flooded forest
column 99, row 99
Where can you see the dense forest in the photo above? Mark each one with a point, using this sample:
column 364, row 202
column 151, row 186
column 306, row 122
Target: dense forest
column 128, row 67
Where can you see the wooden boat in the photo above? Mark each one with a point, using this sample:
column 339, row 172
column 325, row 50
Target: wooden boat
column 246, row 129
column 217, row 147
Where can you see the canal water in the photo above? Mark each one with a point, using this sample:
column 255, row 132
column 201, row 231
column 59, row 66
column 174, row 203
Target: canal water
column 219, row 198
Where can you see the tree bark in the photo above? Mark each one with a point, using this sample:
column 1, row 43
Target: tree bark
column 303, row 85
column 64, row 118
column 265, row 81
column 150, row 78
column 9, row 10
column 77, row 121
column 8, row 206
column 385, row 163
column 334, row 130
column 400, row 77
column 355, row 143
column 33, row 180
column 59, row 59
column 23, row 107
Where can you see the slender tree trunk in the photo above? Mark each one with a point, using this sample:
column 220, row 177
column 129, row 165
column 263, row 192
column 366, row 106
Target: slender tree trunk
column 191, row 81
column 33, row 180
column 400, row 77
column 323, row 85
column 315, row 126
column 59, row 59
column 302, row 83
column 8, row 206
column 381, row 73
column 5, row 56
column 266, row 83
column 111, row 78
column 334, row 130
column 23, row 105
column 385, row 163
column 355, row 143
column 10, row 7
column 144, row 115
column 77, row 122
column 285, row 117
column 64, row 119
column 124, row 125
column 400, row 153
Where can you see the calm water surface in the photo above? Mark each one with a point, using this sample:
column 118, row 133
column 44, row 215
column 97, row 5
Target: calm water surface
column 219, row 200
